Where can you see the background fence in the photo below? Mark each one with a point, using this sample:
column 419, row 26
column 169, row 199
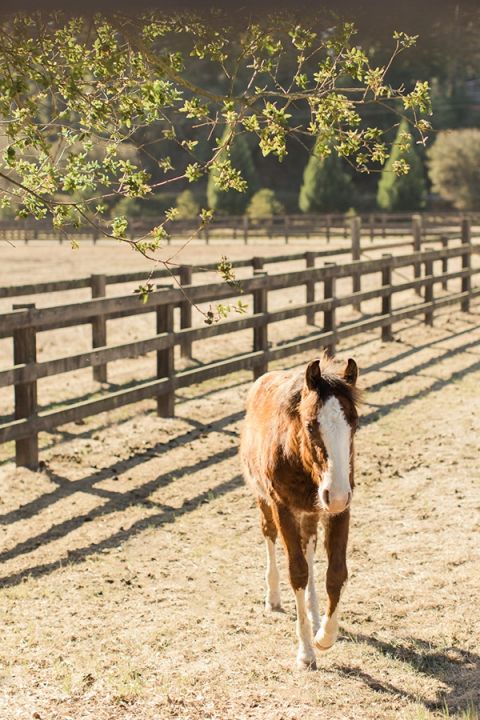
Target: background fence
column 430, row 268
column 357, row 240
column 245, row 229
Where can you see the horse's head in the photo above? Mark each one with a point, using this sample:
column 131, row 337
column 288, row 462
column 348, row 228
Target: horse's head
column 329, row 418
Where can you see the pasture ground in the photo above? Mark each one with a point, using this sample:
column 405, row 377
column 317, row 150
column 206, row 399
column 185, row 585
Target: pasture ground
column 132, row 564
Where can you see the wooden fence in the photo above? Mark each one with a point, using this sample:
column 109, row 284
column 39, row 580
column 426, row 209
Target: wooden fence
column 244, row 229
column 359, row 241
column 23, row 324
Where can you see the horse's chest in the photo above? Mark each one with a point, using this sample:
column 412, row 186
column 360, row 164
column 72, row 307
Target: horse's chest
column 295, row 489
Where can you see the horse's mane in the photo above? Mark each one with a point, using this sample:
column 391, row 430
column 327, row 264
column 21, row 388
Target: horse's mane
column 332, row 383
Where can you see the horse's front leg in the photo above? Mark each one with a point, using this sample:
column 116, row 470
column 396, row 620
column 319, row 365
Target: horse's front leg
column 336, row 538
column 298, row 572
column 312, row 598
column 309, row 525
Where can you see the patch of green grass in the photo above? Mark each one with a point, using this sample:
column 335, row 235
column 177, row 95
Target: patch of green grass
column 471, row 712
column 127, row 683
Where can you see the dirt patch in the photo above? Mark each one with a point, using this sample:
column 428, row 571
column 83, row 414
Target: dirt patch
column 132, row 565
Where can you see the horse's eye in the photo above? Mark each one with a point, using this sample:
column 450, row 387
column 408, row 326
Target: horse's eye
column 310, row 427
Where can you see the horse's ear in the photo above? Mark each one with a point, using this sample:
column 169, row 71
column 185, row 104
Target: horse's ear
column 313, row 375
column 350, row 373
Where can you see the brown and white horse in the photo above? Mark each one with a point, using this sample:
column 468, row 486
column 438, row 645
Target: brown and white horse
column 297, row 455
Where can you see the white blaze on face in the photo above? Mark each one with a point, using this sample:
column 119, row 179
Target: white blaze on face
column 336, row 435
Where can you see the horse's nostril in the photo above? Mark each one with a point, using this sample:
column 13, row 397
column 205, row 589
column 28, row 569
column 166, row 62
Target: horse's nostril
column 326, row 498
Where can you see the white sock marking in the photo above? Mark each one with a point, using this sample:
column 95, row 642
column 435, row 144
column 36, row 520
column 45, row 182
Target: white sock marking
column 272, row 599
column 328, row 632
column 312, row 599
column 306, row 653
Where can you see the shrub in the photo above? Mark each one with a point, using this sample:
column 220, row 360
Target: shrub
column 402, row 192
column 188, row 207
column 264, row 204
column 326, row 186
column 233, row 202
column 130, row 207
column 151, row 207
column 454, row 167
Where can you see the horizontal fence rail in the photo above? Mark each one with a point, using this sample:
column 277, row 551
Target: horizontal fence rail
column 24, row 323
column 416, row 228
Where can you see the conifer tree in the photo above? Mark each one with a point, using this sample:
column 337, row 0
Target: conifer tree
column 233, row 202
column 406, row 191
column 326, row 186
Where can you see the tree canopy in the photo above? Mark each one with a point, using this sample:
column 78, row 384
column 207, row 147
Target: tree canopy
column 76, row 90
column 236, row 153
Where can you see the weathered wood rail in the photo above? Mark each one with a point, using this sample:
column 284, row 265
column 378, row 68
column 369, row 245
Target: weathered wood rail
column 416, row 234
column 23, row 324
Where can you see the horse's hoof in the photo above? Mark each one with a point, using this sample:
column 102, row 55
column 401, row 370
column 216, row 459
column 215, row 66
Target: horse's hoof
column 305, row 663
column 323, row 641
column 273, row 607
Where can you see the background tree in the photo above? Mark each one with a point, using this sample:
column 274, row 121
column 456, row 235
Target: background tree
column 187, row 206
column 326, row 186
column 454, row 167
column 404, row 191
column 264, row 204
column 237, row 153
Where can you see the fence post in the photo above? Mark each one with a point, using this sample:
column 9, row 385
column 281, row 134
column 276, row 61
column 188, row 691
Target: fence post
column 444, row 241
column 429, row 289
column 328, row 220
column 286, row 221
column 165, row 360
column 384, row 225
column 260, row 334
column 417, row 246
column 245, row 229
column 466, row 262
column 387, row 334
column 310, row 289
column 257, row 263
column 371, row 221
column 25, row 351
column 185, row 278
column 98, row 284
column 355, row 232
column 329, row 318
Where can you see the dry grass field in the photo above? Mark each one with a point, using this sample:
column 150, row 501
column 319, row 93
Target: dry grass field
column 132, row 563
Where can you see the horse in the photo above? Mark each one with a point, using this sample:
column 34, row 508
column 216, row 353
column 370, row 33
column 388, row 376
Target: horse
column 297, row 453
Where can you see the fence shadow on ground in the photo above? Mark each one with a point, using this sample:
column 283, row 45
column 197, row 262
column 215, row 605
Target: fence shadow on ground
column 166, row 515
column 456, row 668
column 140, row 495
column 62, row 436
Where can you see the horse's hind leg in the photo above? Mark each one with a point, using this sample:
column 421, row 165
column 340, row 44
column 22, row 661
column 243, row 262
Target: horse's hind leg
column 272, row 577
column 336, row 537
